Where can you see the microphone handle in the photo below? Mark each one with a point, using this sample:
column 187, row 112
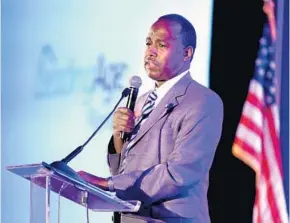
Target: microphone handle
column 131, row 105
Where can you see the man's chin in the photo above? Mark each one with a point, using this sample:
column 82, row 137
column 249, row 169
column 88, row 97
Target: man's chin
column 153, row 75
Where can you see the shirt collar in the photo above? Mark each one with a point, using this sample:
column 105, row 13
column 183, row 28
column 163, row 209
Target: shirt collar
column 166, row 86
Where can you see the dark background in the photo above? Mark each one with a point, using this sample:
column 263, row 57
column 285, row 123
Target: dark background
column 237, row 28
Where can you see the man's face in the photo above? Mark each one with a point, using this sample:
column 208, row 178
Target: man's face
column 164, row 55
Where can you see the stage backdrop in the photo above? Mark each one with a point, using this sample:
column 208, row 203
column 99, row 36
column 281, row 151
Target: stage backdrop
column 64, row 64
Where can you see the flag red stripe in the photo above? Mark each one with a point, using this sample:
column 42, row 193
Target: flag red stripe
column 275, row 138
column 270, row 194
column 254, row 100
column 246, row 147
column 251, row 125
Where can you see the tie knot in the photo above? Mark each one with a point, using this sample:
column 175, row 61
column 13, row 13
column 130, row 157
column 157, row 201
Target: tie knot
column 149, row 105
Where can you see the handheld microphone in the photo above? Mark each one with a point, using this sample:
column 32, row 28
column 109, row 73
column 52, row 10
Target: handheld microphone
column 135, row 83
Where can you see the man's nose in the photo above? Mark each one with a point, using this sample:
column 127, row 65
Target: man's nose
column 152, row 51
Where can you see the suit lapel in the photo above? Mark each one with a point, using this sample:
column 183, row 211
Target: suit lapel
column 165, row 106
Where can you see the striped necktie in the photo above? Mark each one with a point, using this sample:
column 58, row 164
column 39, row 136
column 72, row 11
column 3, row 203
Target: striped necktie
column 146, row 110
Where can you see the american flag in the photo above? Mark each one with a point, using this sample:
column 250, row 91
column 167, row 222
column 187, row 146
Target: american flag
column 257, row 137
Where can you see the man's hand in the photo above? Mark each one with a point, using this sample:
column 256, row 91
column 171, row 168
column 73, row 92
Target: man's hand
column 92, row 179
column 123, row 121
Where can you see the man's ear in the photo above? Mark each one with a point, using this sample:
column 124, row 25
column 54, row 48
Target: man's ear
column 188, row 53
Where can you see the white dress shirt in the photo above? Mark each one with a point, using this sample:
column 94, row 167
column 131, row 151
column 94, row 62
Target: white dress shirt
column 166, row 86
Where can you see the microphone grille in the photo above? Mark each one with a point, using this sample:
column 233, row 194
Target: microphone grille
column 135, row 82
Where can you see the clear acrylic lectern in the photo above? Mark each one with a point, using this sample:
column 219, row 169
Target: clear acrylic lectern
column 44, row 180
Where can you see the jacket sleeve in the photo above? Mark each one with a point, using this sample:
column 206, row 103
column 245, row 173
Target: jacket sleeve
column 113, row 158
column 189, row 162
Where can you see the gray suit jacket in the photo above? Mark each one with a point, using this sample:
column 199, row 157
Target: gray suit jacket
column 168, row 166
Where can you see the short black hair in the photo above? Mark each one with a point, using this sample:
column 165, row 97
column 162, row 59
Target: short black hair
column 187, row 30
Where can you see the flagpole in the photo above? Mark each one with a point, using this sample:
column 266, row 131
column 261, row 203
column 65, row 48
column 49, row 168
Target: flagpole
column 268, row 9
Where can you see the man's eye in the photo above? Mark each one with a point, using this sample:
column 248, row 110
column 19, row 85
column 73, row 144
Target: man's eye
column 148, row 43
column 162, row 45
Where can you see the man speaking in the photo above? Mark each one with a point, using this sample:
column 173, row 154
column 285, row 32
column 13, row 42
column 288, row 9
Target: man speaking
column 174, row 132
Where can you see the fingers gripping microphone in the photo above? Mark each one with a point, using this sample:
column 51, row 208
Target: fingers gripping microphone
column 135, row 83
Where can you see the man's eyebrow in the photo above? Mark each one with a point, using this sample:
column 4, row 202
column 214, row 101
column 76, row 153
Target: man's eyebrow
column 157, row 40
